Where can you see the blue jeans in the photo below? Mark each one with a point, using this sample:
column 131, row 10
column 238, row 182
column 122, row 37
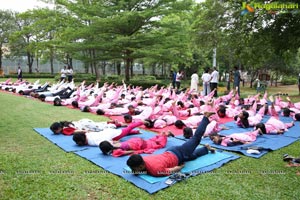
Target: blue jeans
column 186, row 151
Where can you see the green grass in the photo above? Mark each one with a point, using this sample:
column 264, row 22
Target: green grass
column 31, row 167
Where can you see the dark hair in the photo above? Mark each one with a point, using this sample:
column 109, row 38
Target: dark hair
column 262, row 127
column 106, row 147
column 241, row 101
column 191, row 106
column 222, row 111
column 187, row 132
column 57, row 102
column 202, row 103
column 244, row 120
column 66, row 123
column 179, row 124
column 21, row 92
column 297, row 117
column 180, row 103
column 286, row 112
column 150, row 124
column 42, row 97
column 215, row 134
column 100, row 112
column 86, row 109
column 79, row 138
column 134, row 161
column 166, row 100
column 127, row 117
column 55, row 126
column 75, row 104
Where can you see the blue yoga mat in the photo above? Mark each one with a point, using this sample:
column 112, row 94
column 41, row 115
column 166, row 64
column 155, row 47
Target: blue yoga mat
column 268, row 142
column 118, row 165
column 64, row 142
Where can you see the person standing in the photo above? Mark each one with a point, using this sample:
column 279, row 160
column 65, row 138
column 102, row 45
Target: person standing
column 179, row 77
column 69, row 73
column 194, row 82
column 236, row 80
column 214, row 81
column 20, row 75
column 173, row 76
column 206, row 79
column 63, row 73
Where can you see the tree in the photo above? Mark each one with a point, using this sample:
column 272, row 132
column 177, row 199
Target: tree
column 6, row 28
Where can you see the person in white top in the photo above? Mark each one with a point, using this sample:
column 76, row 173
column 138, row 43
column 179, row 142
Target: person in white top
column 214, row 81
column 206, row 80
column 179, row 77
column 194, row 82
column 70, row 74
column 109, row 134
column 63, row 73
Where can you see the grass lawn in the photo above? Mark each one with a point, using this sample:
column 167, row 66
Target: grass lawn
column 33, row 168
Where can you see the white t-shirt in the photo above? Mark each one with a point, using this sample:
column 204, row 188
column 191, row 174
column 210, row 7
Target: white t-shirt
column 95, row 138
column 206, row 77
column 63, row 73
column 215, row 76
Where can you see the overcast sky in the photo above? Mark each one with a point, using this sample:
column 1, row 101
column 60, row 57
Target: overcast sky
column 20, row 5
column 23, row 5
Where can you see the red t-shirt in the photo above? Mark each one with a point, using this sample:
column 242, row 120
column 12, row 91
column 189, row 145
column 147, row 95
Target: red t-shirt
column 158, row 165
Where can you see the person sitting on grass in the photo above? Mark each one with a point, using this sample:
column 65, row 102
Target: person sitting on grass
column 95, row 138
column 135, row 145
column 172, row 160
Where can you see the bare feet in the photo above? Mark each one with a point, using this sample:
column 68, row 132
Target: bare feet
column 271, row 98
column 208, row 114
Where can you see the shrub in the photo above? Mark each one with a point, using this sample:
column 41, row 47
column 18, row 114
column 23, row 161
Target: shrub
column 33, row 75
column 289, row 81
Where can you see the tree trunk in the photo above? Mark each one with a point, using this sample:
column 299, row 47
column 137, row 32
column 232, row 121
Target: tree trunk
column 119, row 68
column 29, row 62
column 127, row 67
column 1, row 56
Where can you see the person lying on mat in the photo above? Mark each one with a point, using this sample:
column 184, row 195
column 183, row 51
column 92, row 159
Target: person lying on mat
column 135, row 145
column 95, row 138
column 172, row 160
column 244, row 119
column 68, row 128
column 236, row 138
column 211, row 128
column 274, row 126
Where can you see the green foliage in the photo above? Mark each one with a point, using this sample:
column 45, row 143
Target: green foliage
column 289, row 80
column 34, row 75
column 79, row 77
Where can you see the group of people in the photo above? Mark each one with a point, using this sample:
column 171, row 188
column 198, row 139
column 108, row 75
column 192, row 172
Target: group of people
column 159, row 108
column 210, row 80
column 66, row 73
